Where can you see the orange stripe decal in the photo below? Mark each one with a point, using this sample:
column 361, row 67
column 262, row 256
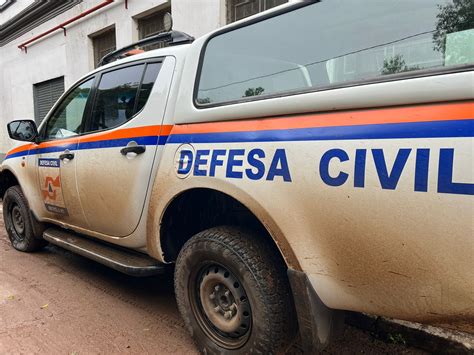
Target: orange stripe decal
column 438, row 112
column 407, row 114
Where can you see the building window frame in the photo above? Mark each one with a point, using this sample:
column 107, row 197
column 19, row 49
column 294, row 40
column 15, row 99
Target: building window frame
column 100, row 46
column 54, row 99
column 144, row 22
column 262, row 5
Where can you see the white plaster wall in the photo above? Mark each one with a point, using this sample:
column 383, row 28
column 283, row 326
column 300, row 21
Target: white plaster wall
column 70, row 56
column 197, row 17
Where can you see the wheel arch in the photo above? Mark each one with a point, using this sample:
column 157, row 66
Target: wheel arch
column 7, row 180
column 196, row 209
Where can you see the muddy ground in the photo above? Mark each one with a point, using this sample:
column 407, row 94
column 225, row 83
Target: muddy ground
column 54, row 302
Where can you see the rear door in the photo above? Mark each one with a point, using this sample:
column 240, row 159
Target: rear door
column 115, row 158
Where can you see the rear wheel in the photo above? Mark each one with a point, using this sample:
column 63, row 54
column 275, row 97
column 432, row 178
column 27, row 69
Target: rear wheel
column 23, row 230
column 233, row 293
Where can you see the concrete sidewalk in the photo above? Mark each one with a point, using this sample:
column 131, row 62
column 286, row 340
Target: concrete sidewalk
column 425, row 337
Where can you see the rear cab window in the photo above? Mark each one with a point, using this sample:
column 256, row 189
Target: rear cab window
column 121, row 93
column 352, row 43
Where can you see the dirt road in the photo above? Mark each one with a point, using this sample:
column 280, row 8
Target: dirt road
column 54, row 302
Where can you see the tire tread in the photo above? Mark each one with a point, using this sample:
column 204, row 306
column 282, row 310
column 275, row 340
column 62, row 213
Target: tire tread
column 32, row 241
column 266, row 268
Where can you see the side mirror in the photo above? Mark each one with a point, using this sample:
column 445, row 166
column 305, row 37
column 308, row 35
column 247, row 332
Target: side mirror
column 23, row 130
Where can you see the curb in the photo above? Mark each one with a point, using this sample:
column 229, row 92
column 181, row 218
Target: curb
column 421, row 336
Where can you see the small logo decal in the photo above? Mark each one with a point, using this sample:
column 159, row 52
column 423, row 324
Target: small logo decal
column 183, row 159
column 50, row 185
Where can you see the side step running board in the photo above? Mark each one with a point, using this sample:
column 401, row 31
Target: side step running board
column 126, row 261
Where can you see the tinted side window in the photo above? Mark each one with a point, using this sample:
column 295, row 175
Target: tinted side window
column 335, row 42
column 66, row 121
column 116, row 96
column 149, row 78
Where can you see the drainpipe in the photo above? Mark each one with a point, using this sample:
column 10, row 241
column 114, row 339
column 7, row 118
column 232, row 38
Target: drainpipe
column 61, row 26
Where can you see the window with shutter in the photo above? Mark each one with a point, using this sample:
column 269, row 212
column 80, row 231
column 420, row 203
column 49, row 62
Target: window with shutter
column 103, row 44
column 239, row 9
column 152, row 25
column 45, row 95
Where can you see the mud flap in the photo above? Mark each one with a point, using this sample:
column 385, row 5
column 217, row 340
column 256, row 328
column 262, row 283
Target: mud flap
column 318, row 324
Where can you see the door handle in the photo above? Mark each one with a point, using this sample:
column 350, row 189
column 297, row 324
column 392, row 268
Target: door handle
column 67, row 155
column 137, row 149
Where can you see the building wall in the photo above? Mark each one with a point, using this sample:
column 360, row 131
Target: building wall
column 71, row 56
column 198, row 17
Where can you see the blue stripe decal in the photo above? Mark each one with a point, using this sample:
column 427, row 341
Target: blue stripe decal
column 16, row 155
column 122, row 142
column 111, row 143
column 162, row 140
column 58, row 148
column 436, row 129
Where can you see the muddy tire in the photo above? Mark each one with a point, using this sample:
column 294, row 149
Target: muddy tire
column 233, row 293
column 22, row 228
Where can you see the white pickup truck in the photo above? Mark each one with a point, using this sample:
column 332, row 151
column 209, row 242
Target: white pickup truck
column 315, row 158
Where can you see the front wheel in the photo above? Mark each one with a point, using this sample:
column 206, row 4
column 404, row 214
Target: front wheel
column 233, row 293
column 23, row 230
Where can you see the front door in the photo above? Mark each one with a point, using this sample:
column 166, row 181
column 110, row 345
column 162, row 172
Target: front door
column 114, row 162
column 55, row 157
